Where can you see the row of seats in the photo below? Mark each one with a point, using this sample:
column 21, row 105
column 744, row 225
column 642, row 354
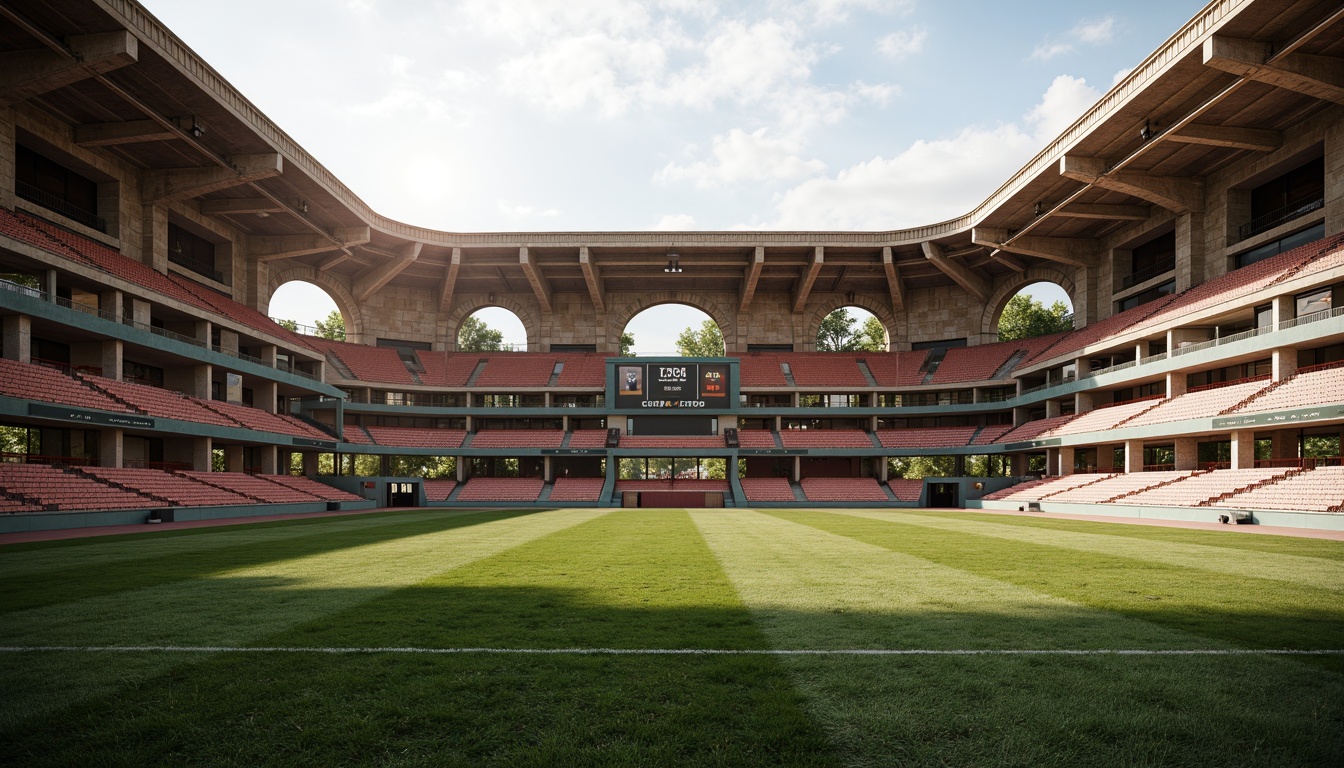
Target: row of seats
column 825, row 438
column 577, row 489
column 38, row 382
column 934, row 437
column 439, row 490
column 1271, row 488
column 506, row 489
column 766, row 488
column 855, row 489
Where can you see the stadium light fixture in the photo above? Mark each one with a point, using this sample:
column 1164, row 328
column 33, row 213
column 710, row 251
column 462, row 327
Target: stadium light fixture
column 673, row 263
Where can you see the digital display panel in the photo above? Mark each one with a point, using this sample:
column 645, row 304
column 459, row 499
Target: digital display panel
column 672, row 386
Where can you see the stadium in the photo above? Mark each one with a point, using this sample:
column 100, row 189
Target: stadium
column 1194, row 216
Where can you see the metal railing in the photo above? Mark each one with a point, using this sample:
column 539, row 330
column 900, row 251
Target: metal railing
column 1268, row 221
column 1148, row 273
column 60, row 205
column 197, row 265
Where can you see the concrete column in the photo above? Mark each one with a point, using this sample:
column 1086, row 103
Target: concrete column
column 200, row 380
column 140, row 313
column 310, row 460
column 546, row 470
column 1284, row 363
column 111, row 448
column 797, row 469
column 202, row 450
column 1084, row 402
column 1051, row 409
column 1105, row 458
column 111, row 302
column 1066, row 456
column 7, row 152
column 233, row 458
column 154, row 237
column 270, row 464
column 264, row 395
column 1187, row 453
column 112, row 357
column 49, row 284
column 1189, row 250
column 18, row 338
column 1133, row 456
column 1285, row 444
column 228, row 341
column 1176, row 383
column 1283, row 309
column 1019, row 464
column 1243, row 449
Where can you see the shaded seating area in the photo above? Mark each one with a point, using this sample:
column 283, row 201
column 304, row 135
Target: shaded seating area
column 825, row 438
column 29, row 381
column 843, row 489
column 934, row 437
column 577, row 489
column 906, row 490
column 501, row 489
column 518, row 438
column 766, row 488
column 439, row 489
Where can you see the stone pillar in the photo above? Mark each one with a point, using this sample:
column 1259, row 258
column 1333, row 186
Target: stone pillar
column 1189, row 250
column 111, row 363
column 228, row 341
column 111, row 448
column 1243, row 449
column 233, row 458
column 1176, row 383
column 1133, row 456
column 200, row 380
column 1284, row 363
column 7, row 152
column 797, row 469
column 310, row 460
column 111, row 303
column 140, row 312
column 1285, row 444
column 1019, row 464
column 18, row 333
column 1084, row 402
column 1105, row 458
column 49, row 284
column 546, row 470
column 265, row 395
column 1067, row 457
column 202, row 451
column 1334, row 178
column 1051, row 409
column 1187, row 453
column 154, row 237
column 1283, row 309
column 270, row 464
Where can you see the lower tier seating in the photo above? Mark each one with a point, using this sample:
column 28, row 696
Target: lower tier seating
column 439, row 490
column 766, row 488
column 843, row 489
column 1316, row 490
column 501, row 489
column 577, row 489
column 906, row 490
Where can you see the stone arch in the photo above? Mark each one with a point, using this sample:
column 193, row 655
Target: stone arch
column 468, row 305
column 895, row 334
column 989, row 320
column 724, row 318
column 337, row 290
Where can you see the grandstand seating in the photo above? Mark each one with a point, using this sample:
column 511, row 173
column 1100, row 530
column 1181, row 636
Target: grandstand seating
column 588, row 438
column 353, row 433
column 54, row 489
column 447, row 369
column 935, row 437
column 671, row 441
column 824, row 369
column 906, row 490
column 518, row 438
column 669, row 484
column 1201, row 402
column 1031, row 429
column 501, row 489
column 1116, row 487
column 855, row 489
column 992, row 434
column 761, row 370
column 825, row 438
column 1104, row 418
column 1316, row 490
column 313, row 488
column 439, row 489
column 514, row 371
column 1316, row 385
column 1204, row 487
column 1030, row 490
column 756, row 438
column 164, row 403
column 372, row 364
column 411, row 437
column 963, row 364
column 583, row 370
column 29, row 381
column 897, row 369
column 577, row 489
column 177, row 490
column 766, row 488
column 256, row 487
column 255, row 418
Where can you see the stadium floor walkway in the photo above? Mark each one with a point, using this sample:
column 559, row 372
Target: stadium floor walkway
column 112, row 530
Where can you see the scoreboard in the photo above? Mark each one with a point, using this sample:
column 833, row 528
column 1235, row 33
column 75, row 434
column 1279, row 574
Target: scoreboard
column 672, row 385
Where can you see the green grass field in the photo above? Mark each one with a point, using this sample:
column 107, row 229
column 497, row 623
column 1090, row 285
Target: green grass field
column 307, row 642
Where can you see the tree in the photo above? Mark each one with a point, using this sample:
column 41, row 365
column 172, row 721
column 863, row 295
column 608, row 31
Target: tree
column 332, row 328
column 837, row 334
column 706, row 342
column 627, row 344
column 476, row 336
column 1025, row 318
column 288, row 325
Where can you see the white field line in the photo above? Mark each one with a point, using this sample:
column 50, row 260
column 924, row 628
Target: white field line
column 686, row 651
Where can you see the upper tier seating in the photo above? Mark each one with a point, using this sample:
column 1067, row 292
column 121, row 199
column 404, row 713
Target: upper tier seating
column 254, row 486
column 933, row 437
column 447, row 369
column 826, row 369
column 962, row 364
column 577, row 489
column 672, row 484
column 761, row 369
column 353, row 433
column 992, row 434
column 255, row 418
column 825, row 438
column 1116, row 488
column 1316, row 490
column 906, row 490
column 38, row 382
column 756, row 438
column 583, row 370
column 588, row 438
column 1316, row 385
column 1033, row 347
column 372, row 364
column 501, row 489
column 439, row 489
column 897, row 369
column 843, row 489
column 518, row 438
column 1199, row 402
column 163, row 403
column 1032, row 429
column 178, row 490
column 314, row 488
column 414, row 437
column 1198, row 489
column 1104, row 417
column 512, row 371
column 54, row 489
column 672, row 441
column 766, row 488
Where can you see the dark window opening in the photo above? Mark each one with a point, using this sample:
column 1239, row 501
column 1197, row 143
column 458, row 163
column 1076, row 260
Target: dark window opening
column 1152, row 294
column 1287, row 243
column 51, row 185
column 1153, row 258
column 1295, row 193
column 189, row 250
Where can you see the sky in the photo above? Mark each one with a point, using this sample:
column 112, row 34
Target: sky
column 563, row 115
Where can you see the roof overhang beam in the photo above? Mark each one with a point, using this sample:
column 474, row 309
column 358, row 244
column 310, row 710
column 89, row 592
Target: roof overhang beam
column 972, row 283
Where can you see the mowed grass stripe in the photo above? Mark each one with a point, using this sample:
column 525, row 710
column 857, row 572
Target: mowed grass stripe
column 236, row 607
column 1238, row 610
column 629, row 579
column 1321, row 572
column 131, row 565
column 813, row 589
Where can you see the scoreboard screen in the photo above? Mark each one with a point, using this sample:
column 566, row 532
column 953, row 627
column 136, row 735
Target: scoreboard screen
column 672, row 386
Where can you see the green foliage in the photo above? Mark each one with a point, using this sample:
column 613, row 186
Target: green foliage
column 476, row 336
column 289, row 325
column 837, row 334
column 919, row 467
column 423, row 466
column 14, row 440
column 332, row 328
column 627, row 344
column 1025, row 318
column 705, row 342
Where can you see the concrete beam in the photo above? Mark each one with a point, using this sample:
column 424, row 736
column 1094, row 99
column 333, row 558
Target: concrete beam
column 972, row 283
column 1003, row 257
column 1319, row 76
column 540, row 287
column 25, row 74
column 338, row 257
column 1074, row 251
column 266, row 248
column 808, row 279
column 182, row 183
column 1255, row 139
column 367, row 282
column 240, row 205
column 450, row 281
column 752, row 277
column 127, row 132
column 596, row 290
column 1105, row 212
column 894, row 285
column 1179, row 194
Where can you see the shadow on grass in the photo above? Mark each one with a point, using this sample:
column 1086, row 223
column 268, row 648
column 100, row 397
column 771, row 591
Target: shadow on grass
column 267, row 708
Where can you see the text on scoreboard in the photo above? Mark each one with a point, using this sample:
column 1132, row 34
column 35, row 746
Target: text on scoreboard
column 672, row 385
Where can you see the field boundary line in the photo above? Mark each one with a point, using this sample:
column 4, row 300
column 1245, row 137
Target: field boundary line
column 682, row 651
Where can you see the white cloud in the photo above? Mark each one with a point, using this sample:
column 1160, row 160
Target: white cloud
column 1047, row 51
column 675, row 222
column 836, row 11
column 527, row 22
column 903, row 43
column 1095, row 32
column 1121, row 75
column 741, row 156
column 572, row 73
column 513, row 211
column 1065, row 99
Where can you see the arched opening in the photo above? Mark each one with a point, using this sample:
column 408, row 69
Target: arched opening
column 308, row 309
column 852, row 329
column 672, row 330
column 492, row 329
column 1037, row 309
